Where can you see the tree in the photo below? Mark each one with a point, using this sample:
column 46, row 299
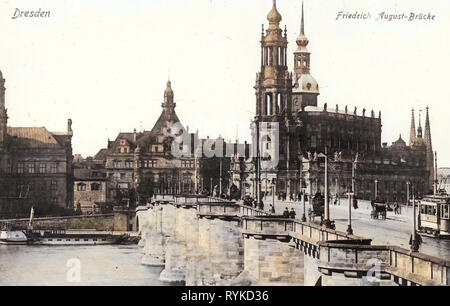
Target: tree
column 145, row 191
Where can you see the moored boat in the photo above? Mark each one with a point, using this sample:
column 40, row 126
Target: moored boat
column 13, row 237
column 62, row 237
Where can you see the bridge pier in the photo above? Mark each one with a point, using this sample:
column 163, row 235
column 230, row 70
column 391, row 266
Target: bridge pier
column 154, row 254
column 219, row 257
column 270, row 262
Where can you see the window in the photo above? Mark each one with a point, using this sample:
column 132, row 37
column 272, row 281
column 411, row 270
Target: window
column 54, row 185
column 54, row 168
column 95, row 186
column 31, row 168
column 42, row 168
column 445, row 212
column 81, row 187
column 20, row 168
column 122, row 175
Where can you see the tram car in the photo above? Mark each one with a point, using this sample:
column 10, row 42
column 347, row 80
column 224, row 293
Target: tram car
column 434, row 216
column 318, row 207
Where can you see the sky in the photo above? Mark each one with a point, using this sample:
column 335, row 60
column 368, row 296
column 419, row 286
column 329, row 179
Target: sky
column 105, row 63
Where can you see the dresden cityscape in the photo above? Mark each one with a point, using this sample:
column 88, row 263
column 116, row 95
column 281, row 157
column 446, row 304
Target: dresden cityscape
column 224, row 143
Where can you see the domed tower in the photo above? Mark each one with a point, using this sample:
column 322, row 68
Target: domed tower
column 273, row 82
column 306, row 88
column 3, row 114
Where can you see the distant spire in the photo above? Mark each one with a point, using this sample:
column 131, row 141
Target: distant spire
column 428, row 131
column 419, row 129
column 302, row 27
column 412, row 133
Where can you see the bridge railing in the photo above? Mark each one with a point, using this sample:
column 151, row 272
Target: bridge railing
column 245, row 210
column 418, row 266
column 402, row 264
column 316, row 232
column 267, row 226
column 221, row 209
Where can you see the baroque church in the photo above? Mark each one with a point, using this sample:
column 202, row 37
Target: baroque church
column 307, row 131
column 35, row 167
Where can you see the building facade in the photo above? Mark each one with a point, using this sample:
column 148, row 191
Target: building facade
column 35, row 167
column 136, row 157
column 92, row 190
column 307, row 132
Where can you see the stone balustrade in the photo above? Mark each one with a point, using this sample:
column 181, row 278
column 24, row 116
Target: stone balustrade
column 211, row 241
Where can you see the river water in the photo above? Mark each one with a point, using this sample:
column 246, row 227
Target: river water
column 61, row 265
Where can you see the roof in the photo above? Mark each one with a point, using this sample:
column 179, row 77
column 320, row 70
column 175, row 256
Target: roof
column 332, row 110
column 35, row 137
column 81, row 174
column 101, row 155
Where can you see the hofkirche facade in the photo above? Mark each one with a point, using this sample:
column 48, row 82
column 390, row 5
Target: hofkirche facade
column 306, row 130
column 35, row 167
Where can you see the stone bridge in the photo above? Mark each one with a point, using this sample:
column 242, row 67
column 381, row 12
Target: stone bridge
column 209, row 241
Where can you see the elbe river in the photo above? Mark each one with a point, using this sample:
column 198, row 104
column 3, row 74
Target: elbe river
column 100, row 265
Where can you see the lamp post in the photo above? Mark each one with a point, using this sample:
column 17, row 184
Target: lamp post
column 304, row 205
column 349, row 227
column 211, row 186
column 220, row 177
column 407, row 193
column 414, row 241
column 273, row 192
column 326, row 222
column 351, row 195
column 376, row 189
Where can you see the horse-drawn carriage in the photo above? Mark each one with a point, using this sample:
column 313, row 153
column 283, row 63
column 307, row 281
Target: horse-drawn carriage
column 318, row 207
column 379, row 209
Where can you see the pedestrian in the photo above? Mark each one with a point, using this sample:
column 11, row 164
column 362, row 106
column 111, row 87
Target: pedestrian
column 292, row 213
column 286, row 213
column 272, row 209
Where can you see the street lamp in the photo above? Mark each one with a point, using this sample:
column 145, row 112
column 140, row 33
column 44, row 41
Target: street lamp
column 304, row 205
column 351, row 195
column 414, row 239
column 376, row 189
column 407, row 193
column 326, row 222
column 349, row 227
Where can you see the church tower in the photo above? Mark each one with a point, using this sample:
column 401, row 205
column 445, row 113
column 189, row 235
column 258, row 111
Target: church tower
column 3, row 114
column 306, row 88
column 412, row 133
column 273, row 82
column 430, row 154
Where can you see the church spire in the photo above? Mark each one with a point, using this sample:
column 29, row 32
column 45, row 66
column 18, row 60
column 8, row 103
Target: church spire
column 302, row 55
column 306, row 88
column 419, row 129
column 428, row 131
column 302, row 26
column 412, row 133
column 430, row 154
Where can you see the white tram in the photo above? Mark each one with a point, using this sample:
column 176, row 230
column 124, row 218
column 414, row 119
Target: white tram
column 434, row 216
